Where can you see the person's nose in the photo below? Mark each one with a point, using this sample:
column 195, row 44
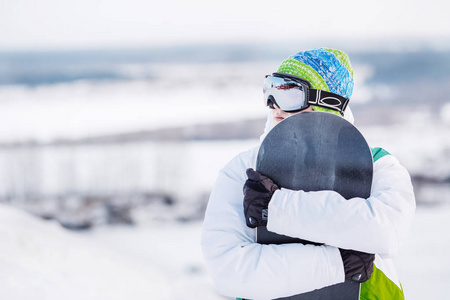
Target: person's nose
column 278, row 111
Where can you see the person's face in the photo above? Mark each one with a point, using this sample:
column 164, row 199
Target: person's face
column 279, row 115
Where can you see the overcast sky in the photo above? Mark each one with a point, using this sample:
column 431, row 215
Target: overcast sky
column 47, row 24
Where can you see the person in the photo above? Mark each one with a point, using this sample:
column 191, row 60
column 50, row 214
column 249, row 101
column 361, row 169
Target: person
column 359, row 237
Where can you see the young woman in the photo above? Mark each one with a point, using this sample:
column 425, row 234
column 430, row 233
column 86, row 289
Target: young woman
column 240, row 267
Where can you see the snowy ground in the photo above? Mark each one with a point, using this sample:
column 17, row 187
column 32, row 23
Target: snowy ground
column 424, row 263
column 40, row 260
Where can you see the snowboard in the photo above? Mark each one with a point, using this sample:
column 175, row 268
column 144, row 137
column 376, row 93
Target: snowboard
column 314, row 151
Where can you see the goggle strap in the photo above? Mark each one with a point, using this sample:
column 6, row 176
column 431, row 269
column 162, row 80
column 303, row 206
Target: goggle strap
column 327, row 100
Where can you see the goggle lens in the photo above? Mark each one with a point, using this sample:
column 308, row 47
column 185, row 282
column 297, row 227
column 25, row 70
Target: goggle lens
column 287, row 94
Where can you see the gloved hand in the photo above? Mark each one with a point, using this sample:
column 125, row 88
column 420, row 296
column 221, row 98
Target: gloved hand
column 258, row 190
column 358, row 266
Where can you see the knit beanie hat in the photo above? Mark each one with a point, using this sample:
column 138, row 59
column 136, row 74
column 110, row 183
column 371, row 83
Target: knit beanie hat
column 326, row 69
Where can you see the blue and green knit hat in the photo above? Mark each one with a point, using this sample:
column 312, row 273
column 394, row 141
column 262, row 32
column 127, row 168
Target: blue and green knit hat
column 326, row 69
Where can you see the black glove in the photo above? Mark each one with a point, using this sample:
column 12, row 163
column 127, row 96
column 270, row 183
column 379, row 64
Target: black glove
column 258, row 190
column 358, row 266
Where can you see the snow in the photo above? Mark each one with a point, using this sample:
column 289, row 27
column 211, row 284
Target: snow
column 40, row 260
column 424, row 264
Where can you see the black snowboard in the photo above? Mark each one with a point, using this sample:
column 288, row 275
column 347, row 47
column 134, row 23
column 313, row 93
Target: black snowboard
column 314, row 151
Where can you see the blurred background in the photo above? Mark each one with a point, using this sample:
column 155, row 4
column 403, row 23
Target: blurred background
column 117, row 115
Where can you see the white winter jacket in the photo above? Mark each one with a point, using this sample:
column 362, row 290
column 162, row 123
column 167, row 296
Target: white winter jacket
column 240, row 267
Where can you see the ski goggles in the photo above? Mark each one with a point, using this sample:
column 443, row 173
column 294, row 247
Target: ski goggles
column 292, row 94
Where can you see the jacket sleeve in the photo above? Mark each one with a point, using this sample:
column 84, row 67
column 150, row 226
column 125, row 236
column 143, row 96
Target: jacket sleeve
column 240, row 267
column 378, row 224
